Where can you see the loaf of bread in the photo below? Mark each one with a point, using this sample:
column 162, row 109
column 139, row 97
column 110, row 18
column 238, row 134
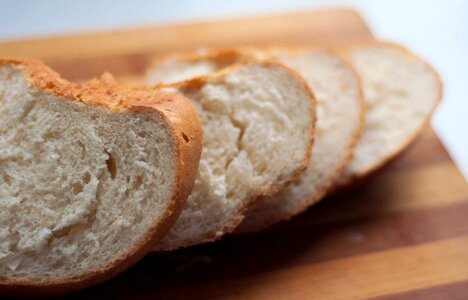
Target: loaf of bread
column 259, row 122
column 91, row 176
column 401, row 91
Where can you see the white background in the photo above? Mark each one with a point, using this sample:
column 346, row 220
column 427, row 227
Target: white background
column 437, row 30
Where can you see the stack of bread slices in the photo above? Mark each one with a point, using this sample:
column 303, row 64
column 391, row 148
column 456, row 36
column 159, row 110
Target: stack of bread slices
column 94, row 176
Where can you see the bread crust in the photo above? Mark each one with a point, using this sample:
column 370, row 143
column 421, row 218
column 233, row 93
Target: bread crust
column 345, row 54
column 243, row 58
column 326, row 186
column 182, row 121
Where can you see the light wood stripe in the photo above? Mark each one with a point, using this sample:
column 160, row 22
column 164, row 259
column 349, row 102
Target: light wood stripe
column 452, row 291
column 432, row 186
column 327, row 27
column 371, row 275
column 359, row 235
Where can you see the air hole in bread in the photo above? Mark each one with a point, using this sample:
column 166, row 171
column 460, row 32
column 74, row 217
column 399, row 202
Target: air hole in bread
column 62, row 231
column 77, row 188
column 51, row 135
column 241, row 128
column 27, row 109
column 82, row 147
column 86, row 177
column 138, row 182
column 186, row 138
column 111, row 165
column 6, row 179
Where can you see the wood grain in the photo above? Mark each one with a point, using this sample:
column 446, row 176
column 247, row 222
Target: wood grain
column 402, row 233
column 360, row 276
column 452, row 291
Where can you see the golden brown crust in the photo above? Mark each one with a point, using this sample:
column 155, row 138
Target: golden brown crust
column 326, row 186
column 345, row 53
column 182, row 120
column 245, row 58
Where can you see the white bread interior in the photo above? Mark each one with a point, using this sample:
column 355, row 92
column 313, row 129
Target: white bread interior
column 401, row 91
column 339, row 119
column 83, row 188
column 258, row 120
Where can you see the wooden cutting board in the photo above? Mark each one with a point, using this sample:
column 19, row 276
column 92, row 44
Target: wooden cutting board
column 402, row 233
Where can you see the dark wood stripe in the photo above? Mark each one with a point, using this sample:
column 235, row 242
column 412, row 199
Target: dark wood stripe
column 284, row 247
column 452, row 291
column 376, row 232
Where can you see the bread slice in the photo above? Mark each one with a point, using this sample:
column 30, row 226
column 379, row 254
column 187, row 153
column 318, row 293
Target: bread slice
column 91, row 176
column 401, row 91
column 259, row 122
column 340, row 115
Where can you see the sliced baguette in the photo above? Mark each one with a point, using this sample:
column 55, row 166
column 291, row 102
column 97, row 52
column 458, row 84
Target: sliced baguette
column 340, row 114
column 401, row 91
column 91, row 176
column 259, row 122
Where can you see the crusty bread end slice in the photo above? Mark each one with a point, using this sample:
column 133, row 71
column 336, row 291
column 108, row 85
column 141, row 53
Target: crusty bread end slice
column 91, row 176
